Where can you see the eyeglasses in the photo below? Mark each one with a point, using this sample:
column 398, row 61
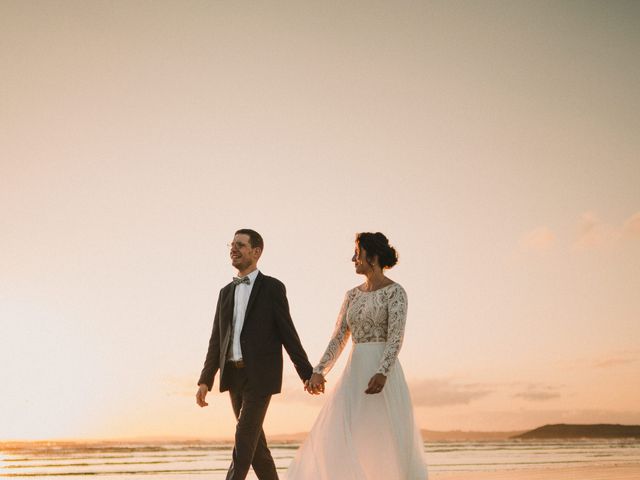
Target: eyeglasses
column 237, row 245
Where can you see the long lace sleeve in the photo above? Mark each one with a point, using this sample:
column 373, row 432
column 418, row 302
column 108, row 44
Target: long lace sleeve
column 397, row 308
column 338, row 340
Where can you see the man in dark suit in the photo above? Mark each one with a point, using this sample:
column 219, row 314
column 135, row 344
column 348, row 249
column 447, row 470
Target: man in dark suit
column 251, row 325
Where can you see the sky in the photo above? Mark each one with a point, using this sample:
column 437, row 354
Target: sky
column 494, row 142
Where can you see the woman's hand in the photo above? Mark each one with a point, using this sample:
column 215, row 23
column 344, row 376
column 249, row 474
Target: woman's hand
column 376, row 384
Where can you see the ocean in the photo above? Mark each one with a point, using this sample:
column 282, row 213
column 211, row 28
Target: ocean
column 181, row 460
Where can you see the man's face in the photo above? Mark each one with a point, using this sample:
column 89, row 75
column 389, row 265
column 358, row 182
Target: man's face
column 242, row 254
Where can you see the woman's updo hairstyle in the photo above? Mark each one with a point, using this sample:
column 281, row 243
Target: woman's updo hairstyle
column 378, row 244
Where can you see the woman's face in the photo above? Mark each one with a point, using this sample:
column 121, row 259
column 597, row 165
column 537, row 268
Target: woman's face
column 360, row 260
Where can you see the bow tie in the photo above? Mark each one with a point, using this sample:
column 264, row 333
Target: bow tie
column 239, row 280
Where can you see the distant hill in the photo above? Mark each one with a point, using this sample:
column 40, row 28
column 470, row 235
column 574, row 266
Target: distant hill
column 427, row 436
column 563, row 430
column 559, row 431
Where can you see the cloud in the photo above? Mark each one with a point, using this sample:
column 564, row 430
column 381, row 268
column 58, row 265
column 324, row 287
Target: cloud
column 609, row 360
column 631, row 228
column 539, row 239
column 614, row 361
column 594, row 233
column 539, row 393
column 537, row 396
column 442, row 392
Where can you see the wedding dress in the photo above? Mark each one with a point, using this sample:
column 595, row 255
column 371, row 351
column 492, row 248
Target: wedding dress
column 359, row 436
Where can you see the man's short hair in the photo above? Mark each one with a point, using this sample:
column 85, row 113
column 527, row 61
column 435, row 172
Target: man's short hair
column 255, row 239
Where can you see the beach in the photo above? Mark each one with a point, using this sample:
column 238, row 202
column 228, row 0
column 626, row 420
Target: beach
column 609, row 472
column 614, row 459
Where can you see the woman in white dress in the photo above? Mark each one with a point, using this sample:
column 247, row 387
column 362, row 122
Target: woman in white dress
column 366, row 429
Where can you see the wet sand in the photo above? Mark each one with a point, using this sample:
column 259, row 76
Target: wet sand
column 612, row 472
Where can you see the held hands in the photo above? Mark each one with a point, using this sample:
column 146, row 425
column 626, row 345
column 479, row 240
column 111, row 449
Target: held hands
column 376, row 384
column 315, row 385
column 201, row 394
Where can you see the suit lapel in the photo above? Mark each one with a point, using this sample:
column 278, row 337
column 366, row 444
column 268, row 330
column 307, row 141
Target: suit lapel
column 254, row 293
column 227, row 309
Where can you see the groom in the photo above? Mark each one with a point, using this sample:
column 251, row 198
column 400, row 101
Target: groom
column 251, row 325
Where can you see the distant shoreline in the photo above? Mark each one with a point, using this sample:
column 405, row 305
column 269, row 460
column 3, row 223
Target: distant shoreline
column 546, row 432
column 573, row 431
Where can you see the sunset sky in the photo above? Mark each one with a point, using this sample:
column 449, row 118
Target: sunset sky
column 495, row 143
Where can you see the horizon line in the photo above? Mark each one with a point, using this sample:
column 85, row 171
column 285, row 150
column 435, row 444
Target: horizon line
column 283, row 437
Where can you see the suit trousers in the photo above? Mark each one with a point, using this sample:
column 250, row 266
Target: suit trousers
column 250, row 449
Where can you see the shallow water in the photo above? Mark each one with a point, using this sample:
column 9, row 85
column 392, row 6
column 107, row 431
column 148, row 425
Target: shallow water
column 154, row 461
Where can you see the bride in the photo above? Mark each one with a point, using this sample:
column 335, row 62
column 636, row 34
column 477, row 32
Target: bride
column 366, row 429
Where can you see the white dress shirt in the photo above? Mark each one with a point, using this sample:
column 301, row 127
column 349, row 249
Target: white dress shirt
column 241, row 299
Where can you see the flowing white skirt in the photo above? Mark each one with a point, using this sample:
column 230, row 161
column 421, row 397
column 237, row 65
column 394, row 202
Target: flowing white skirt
column 359, row 436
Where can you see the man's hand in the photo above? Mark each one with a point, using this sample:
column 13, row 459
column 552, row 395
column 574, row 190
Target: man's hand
column 307, row 388
column 201, row 394
column 376, row 384
column 315, row 385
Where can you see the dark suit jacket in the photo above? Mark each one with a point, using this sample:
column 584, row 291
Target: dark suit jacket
column 267, row 328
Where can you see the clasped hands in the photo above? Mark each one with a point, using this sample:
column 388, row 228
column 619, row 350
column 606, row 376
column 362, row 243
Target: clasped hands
column 315, row 384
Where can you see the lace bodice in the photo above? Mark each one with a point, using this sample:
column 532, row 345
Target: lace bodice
column 377, row 316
